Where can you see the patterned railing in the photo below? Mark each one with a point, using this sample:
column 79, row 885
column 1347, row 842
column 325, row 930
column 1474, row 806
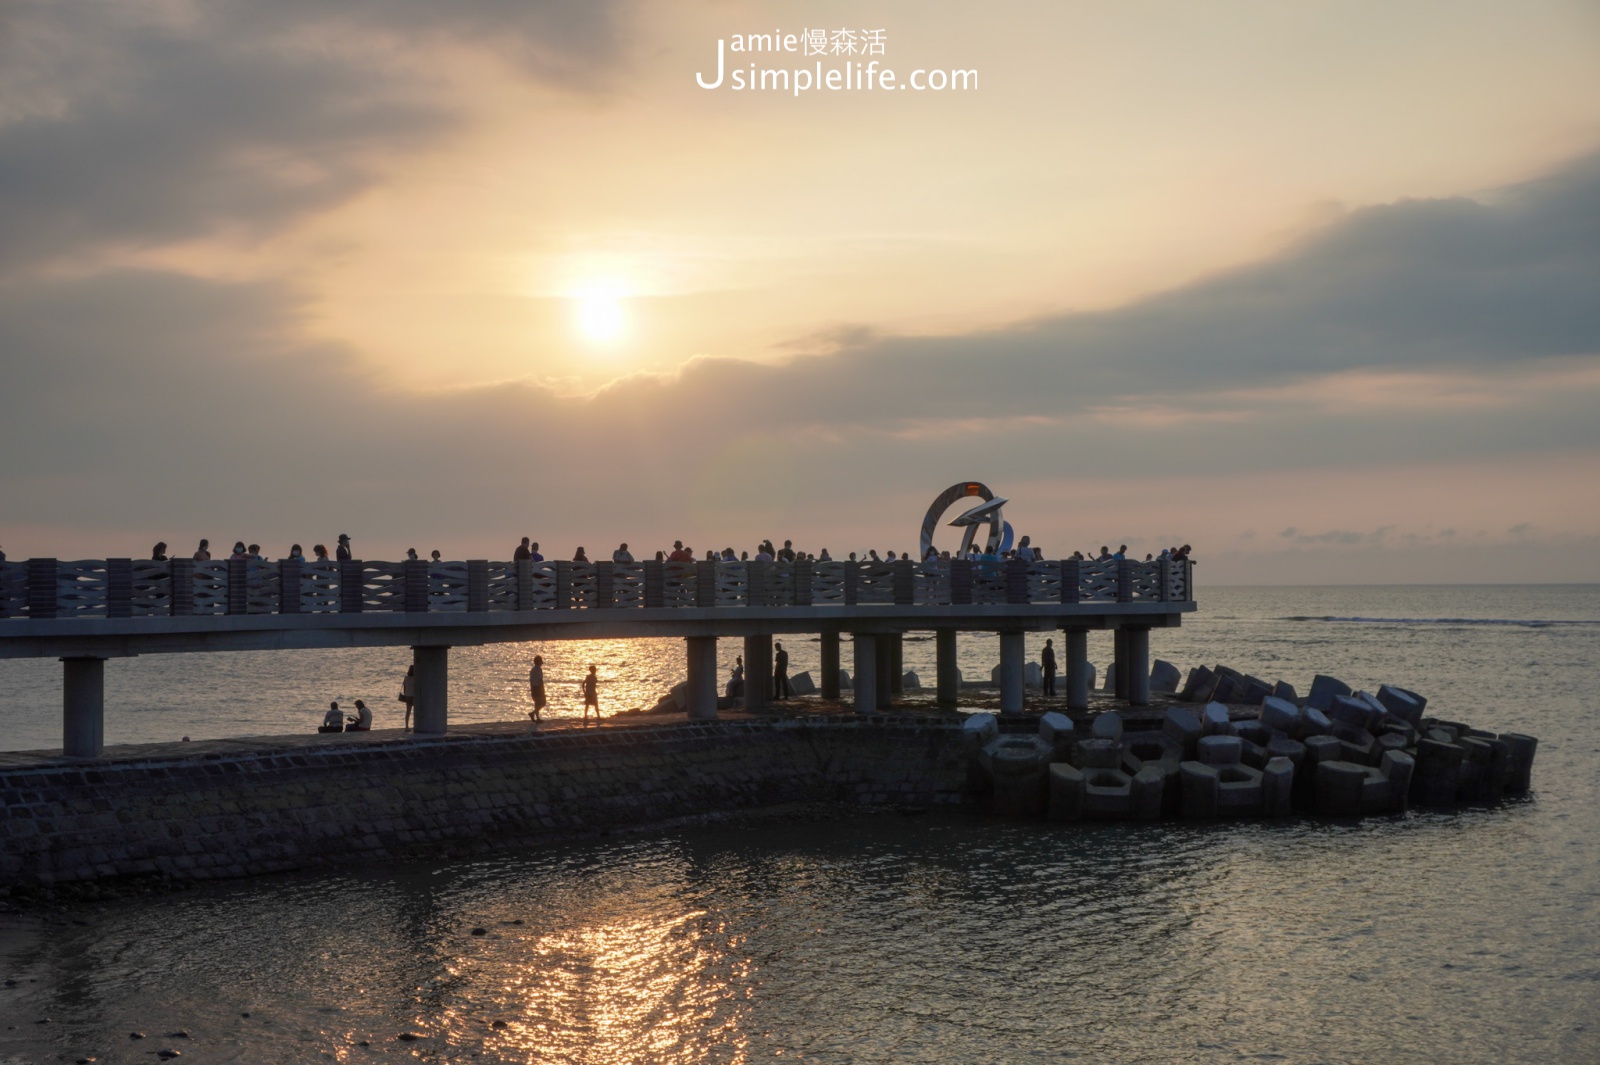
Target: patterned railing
column 123, row 588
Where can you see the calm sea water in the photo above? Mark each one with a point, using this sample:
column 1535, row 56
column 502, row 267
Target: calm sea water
column 1469, row 936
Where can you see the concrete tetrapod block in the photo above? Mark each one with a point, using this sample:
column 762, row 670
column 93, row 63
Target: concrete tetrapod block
column 1201, row 785
column 1358, row 743
column 1199, row 678
column 1380, row 713
column 1340, row 788
column 1420, row 700
column 1397, row 768
column 1066, row 792
column 1280, row 715
column 1018, row 767
column 1107, row 794
column 1097, row 753
column 1215, row 721
column 1321, row 749
column 1057, row 730
column 1475, row 763
column 1219, row 750
column 1284, row 747
column 1252, row 732
column 910, row 681
column 1400, row 703
column 1519, row 774
column 1437, row 773
column 1154, row 750
column 1314, row 723
column 1149, row 792
column 1164, row 676
column 977, row 730
column 844, row 680
column 1277, row 787
column 802, row 684
column 1182, row 727
column 1323, row 689
column 1285, row 691
column 1239, row 790
column 1499, row 768
column 680, row 695
column 1032, row 676
column 1224, row 689
column 1252, row 691
column 1353, row 711
column 1389, row 741
column 1107, row 726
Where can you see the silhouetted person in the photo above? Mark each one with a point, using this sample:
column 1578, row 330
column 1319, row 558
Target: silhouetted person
column 780, row 673
column 411, row 554
column 362, row 722
column 408, row 691
column 621, row 554
column 342, row 553
column 736, row 681
column 579, row 556
column 158, row 553
column 333, row 720
column 321, row 551
column 536, row 688
column 1047, row 666
column 523, row 553
column 203, row 552
column 591, row 696
column 296, row 555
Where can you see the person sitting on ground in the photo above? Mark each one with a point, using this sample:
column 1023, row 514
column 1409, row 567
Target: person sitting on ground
column 203, row 552
column 362, row 722
column 736, row 682
column 296, row 555
column 333, row 720
column 621, row 554
column 523, row 553
column 343, row 553
column 158, row 553
column 579, row 556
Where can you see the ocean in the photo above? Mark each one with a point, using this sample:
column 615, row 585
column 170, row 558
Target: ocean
column 1463, row 936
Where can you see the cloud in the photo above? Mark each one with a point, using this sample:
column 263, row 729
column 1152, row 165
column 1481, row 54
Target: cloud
column 135, row 127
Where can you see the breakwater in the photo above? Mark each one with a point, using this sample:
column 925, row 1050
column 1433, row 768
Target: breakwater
column 243, row 807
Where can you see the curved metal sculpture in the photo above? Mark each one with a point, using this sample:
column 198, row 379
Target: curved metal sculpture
column 987, row 511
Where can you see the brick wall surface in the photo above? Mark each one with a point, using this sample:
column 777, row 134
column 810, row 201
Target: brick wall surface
column 258, row 811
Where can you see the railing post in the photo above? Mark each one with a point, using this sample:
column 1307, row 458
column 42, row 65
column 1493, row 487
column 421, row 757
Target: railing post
column 1166, row 580
column 352, row 592
column 238, row 586
column 41, row 587
column 655, row 583
column 605, row 574
column 705, row 585
column 803, row 575
column 415, row 574
column 905, row 582
column 1071, row 580
column 477, row 586
column 961, row 582
column 1188, row 580
column 182, row 591
column 524, row 583
column 119, row 587
column 289, row 586
column 563, row 585
column 1124, row 581
column 852, row 581
column 757, row 575
column 1016, row 581
column 83, row 707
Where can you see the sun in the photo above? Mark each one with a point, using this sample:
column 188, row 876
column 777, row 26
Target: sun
column 600, row 315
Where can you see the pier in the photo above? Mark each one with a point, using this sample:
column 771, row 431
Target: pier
column 88, row 612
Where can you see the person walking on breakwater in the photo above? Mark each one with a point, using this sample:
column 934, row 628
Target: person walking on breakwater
column 362, row 722
column 408, row 692
column 342, row 553
column 333, row 720
column 1047, row 666
column 536, row 688
column 780, row 673
column 591, row 696
column 203, row 552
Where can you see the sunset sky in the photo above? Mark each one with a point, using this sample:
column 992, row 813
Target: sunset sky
column 1314, row 287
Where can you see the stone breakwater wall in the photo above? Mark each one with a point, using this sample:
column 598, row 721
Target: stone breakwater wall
column 240, row 813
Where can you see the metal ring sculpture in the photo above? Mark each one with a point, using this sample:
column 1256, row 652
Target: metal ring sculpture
column 988, row 511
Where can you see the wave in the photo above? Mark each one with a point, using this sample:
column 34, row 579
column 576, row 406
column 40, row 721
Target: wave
column 1524, row 623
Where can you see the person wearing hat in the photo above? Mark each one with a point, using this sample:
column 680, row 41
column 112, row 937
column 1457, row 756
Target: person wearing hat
column 343, row 551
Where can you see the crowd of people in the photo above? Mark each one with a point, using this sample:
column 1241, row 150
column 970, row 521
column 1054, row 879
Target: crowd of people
column 528, row 550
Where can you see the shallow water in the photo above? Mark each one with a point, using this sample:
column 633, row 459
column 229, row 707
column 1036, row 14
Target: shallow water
column 1468, row 936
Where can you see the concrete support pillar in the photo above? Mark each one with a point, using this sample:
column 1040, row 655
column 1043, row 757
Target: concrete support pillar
column 83, row 707
column 703, row 677
column 865, row 679
column 1119, row 666
column 946, row 669
column 1012, row 655
column 830, row 666
column 1137, row 644
column 897, row 664
column 757, row 671
column 432, row 691
column 885, row 663
column 1077, row 649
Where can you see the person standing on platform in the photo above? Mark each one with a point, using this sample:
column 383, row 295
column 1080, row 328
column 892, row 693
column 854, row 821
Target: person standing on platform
column 523, row 553
column 342, row 552
column 408, row 692
column 203, row 552
column 780, row 673
column 1047, row 666
column 536, row 688
column 622, row 554
column 591, row 696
